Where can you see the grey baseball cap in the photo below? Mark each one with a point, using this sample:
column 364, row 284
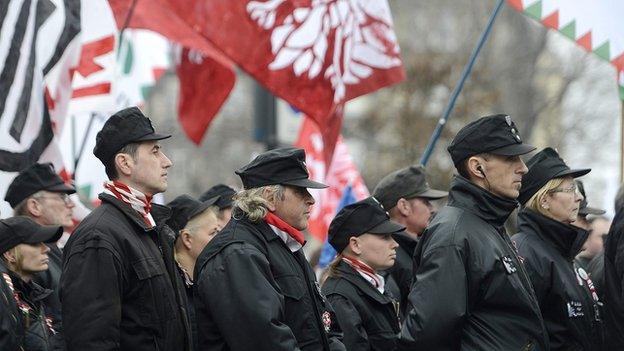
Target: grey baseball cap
column 407, row 183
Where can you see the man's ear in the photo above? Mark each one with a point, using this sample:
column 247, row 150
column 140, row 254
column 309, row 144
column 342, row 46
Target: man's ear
column 404, row 208
column 475, row 167
column 34, row 207
column 124, row 164
column 269, row 195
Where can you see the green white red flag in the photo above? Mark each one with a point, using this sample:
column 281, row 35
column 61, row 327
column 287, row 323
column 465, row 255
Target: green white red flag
column 595, row 25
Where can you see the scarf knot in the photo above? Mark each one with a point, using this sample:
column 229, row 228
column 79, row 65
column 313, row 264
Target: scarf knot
column 137, row 200
column 365, row 270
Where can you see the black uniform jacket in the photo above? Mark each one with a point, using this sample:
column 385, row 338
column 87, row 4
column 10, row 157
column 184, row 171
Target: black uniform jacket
column 469, row 290
column 614, row 283
column 253, row 293
column 548, row 248
column 119, row 287
column 18, row 331
column 367, row 317
column 401, row 273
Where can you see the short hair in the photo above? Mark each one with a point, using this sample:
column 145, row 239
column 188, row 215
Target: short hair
column 21, row 209
column 254, row 204
column 533, row 202
column 200, row 220
column 109, row 167
column 462, row 167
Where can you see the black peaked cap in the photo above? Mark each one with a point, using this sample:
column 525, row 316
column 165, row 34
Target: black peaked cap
column 544, row 166
column 39, row 176
column 584, row 208
column 184, row 208
column 496, row 134
column 23, row 230
column 224, row 192
column 279, row 166
column 407, row 183
column 124, row 127
column 365, row 216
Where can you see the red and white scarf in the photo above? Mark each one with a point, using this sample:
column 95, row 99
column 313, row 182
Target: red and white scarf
column 366, row 272
column 294, row 234
column 137, row 200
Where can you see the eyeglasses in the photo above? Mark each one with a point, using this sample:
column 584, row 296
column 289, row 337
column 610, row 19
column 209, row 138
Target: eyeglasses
column 569, row 190
column 59, row 196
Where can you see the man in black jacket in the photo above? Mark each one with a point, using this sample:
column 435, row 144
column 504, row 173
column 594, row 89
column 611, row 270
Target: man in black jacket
column 406, row 195
column 255, row 289
column 119, row 287
column 470, row 290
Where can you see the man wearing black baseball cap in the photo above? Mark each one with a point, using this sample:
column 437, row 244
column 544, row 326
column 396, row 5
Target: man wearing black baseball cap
column 224, row 195
column 362, row 234
column 255, row 288
column 470, row 290
column 39, row 192
column 406, row 195
column 121, row 255
column 25, row 322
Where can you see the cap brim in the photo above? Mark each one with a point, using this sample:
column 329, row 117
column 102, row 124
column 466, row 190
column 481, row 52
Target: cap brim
column 305, row 183
column 61, row 188
column 153, row 136
column 45, row 234
column 204, row 206
column 386, row 227
column 591, row 211
column 513, row 150
column 574, row 173
column 432, row 194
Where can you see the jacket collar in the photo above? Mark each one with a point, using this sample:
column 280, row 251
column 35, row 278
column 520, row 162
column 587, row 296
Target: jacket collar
column 160, row 213
column 566, row 238
column 348, row 273
column 482, row 203
column 32, row 291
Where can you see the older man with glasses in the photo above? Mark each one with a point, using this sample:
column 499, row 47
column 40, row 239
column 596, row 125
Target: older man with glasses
column 39, row 193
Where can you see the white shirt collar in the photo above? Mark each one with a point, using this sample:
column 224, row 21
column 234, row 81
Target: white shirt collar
column 293, row 245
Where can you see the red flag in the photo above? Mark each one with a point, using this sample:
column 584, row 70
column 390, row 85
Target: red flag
column 340, row 173
column 200, row 100
column 316, row 55
column 201, row 79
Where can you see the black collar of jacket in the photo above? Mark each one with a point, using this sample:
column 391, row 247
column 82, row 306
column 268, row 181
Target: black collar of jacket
column 482, row 203
column 348, row 273
column 566, row 238
column 406, row 241
column 160, row 213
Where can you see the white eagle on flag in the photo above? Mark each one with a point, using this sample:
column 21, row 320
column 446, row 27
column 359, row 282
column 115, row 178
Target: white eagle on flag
column 360, row 32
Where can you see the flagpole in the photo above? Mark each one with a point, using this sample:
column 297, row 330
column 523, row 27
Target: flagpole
column 458, row 88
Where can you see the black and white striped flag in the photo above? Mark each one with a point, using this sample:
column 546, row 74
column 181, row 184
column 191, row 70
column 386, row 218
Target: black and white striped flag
column 39, row 49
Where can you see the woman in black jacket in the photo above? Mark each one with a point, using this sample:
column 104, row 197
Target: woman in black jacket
column 548, row 243
column 23, row 321
column 362, row 234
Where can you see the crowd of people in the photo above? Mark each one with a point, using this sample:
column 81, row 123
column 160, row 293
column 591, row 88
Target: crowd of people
column 227, row 271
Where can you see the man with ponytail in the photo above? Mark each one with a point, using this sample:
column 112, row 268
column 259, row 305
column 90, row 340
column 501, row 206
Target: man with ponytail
column 120, row 289
column 255, row 289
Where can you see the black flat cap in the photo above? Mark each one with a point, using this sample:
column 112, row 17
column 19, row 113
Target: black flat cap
column 23, row 230
column 279, row 166
column 362, row 217
column 544, row 166
column 39, row 176
column 407, row 183
column 584, row 209
column 124, row 127
column 495, row 134
column 184, row 208
column 224, row 193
